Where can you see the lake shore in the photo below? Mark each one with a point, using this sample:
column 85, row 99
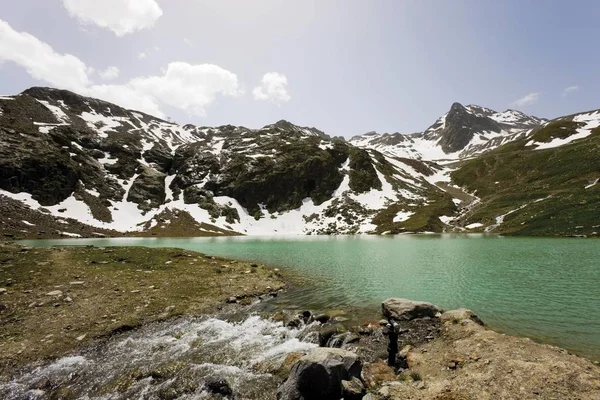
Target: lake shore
column 55, row 300
column 60, row 299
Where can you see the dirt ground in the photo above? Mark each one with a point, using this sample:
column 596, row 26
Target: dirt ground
column 54, row 300
column 469, row 362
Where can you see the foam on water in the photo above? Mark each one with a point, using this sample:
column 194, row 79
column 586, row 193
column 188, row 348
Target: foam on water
column 174, row 358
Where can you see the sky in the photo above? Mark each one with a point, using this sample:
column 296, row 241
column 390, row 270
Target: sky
column 346, row 67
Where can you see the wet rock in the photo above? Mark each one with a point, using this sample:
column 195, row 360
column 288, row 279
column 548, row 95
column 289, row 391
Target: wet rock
column 376, row 373
column 326, row 333
column 460, row 315
column 319, row 375
column 322, row 318
column 218, row 386
column 406, row 310
column 351, row 338
column 353, row 389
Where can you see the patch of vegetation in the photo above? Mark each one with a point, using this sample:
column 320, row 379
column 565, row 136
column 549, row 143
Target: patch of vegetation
column 547, row 191
column 559, row 129
column 107, row 290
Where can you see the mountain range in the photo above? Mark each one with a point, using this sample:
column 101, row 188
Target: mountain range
column 76, row 166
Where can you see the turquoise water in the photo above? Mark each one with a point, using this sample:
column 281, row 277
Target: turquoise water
column 544, row 288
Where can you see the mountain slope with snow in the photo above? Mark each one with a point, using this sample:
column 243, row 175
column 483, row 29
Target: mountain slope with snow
column 464, row 131
column 81, row 159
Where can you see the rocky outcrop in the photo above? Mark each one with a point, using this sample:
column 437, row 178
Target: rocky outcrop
column 148, row 189
column 319, row 375
column 406, row 310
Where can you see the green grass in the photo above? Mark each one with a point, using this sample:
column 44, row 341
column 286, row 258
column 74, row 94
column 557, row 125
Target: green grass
column 514, row 175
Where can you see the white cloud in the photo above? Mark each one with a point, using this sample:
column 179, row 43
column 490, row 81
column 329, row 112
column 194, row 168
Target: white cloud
column 40, row 60
column 526, row 100
column 142, row 55
column 188, row 87
column 570, row 89
column 273, row 87
column 110, row 73
column 120, row 16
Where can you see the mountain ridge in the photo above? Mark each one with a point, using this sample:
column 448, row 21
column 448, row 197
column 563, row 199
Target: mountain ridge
column 106, row 170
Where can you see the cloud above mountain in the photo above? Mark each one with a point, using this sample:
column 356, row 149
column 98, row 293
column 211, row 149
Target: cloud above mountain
column 41, row 61
column 122, row 17
column 526, row 100
column 273, row 87
column 188, row 87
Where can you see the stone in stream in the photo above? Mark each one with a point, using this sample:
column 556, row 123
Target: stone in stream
column 319, row 375
column 218, row 386
column 406, row 310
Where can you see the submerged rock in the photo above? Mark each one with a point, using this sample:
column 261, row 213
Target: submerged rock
column 406, row 310
column 319, row 375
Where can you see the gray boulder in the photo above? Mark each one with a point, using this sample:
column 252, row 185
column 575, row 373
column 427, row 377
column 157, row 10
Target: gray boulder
column 353, row 389
column 460, row 314
column 406, row 310
column 319, row 375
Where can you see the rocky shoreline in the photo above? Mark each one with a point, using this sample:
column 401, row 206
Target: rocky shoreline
column 444, row 355
column 58, row 301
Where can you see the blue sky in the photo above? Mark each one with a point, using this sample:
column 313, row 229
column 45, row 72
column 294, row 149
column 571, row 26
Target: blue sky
column 346, row 67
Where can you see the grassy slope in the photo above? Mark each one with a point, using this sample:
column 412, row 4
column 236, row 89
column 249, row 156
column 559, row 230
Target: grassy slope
column 514, row 175
column 106, row 291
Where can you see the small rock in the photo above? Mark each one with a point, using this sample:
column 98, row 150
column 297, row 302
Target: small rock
column 232, row 300
column 134, row 291
column 420, row 385
column 376, row 373
column 54, row 293
column 80, row 338
column 219, row 386
column 68, row 299
column 353, row 389
column 322, row 318
column 76, row 283
column 3, row 290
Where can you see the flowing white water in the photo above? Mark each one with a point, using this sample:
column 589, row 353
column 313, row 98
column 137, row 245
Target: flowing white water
column 168, row 360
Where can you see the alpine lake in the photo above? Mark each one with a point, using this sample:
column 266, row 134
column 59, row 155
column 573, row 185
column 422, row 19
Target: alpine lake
column 547, row 289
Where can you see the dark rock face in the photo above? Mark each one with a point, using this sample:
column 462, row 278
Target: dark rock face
column 37, row 166
column 363, row 176
column 460, row 127
column 148, row 189
column 296, row 171
column 319, row 375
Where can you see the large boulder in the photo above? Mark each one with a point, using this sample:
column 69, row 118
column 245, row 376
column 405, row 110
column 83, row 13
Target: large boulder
column 148, row 189
column 406, row 310
column 319, row 375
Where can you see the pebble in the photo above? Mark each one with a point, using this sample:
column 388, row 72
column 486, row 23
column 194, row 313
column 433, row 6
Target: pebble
column 80, row 338
column 68, row 299
column 3, row 290
column 54, row 293
column 75, row 283
column 135, row 291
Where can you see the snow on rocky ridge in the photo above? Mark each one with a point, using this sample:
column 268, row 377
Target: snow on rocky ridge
column 127, row 171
